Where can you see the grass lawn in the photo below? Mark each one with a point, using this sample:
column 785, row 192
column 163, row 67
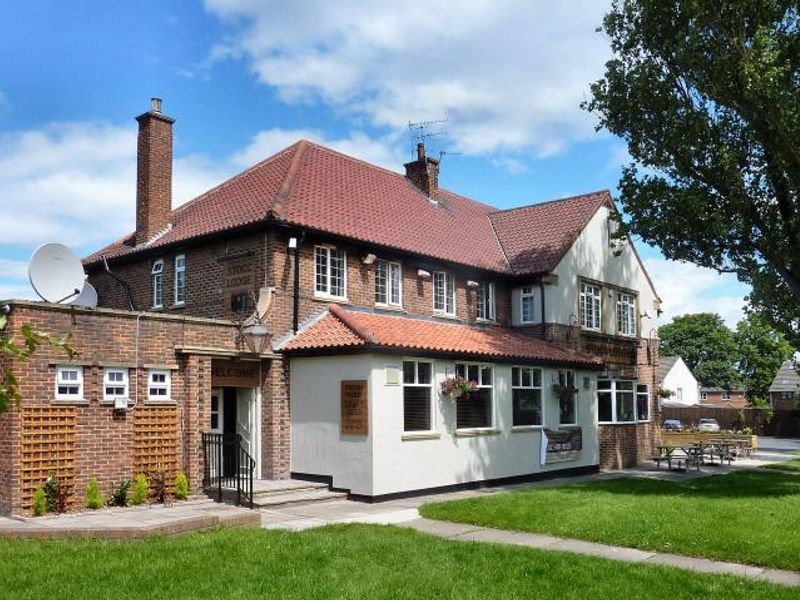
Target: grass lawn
column 352, row 561
column 789, row 465
column 747, row 516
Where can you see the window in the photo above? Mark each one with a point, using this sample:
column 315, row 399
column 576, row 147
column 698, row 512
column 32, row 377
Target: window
column 679, row 394
column 115, row 384
column 330, row 272
column 526, row 304
column 626, row 314
column 158, row 385
column 590, row 306
column 158, row 283
column 620, row 401
column 568, row 405
column 476, row 410
column 69, row 383
column 703, row 396
column 216, row 413
column 180, row 280
column 417, row 396
column 642, row 402
column 526, row 396
column 726, row 395
column 486, row 301
column 388, row 283
column 444, row 293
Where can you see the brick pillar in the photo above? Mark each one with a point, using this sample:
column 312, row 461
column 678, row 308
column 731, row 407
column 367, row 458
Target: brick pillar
column 276, row 421
column 197, row 416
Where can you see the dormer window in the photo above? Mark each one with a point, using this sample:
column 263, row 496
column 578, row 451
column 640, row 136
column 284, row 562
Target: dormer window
column 158, row 283
column 486, row 301
column 444, row 293
column 388, row 283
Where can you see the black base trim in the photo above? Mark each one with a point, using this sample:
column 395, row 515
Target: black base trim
column 455, row 487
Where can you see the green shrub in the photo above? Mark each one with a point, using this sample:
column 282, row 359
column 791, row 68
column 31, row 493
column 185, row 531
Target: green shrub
column 160, row 487
column 56, row 494
column 181, row 487
column 94, row 495
column 39, row 502
column 140, row 490
column 119, row 497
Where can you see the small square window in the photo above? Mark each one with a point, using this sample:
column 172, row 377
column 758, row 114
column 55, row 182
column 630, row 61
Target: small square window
column 159, row 385
column 115, row 384
column 69, row 383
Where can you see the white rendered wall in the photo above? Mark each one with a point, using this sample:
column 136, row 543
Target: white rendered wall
column 680, row 376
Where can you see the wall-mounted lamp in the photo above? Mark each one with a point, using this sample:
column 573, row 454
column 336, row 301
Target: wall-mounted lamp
column 644, row 315
column 572, row 319
column 255, row 336
column 423, row 274
column 292, row 243
column 472, row 283
column 368, row 259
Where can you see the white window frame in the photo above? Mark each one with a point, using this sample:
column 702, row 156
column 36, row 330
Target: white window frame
column 392, row 287
column 416, row 383
column 447, row 280
column 703, row 396
column 679, row 394
column 77, row 382
column 165, row 385
column 591, row 298
column 124, row 384
column 563, row 379
column 480, row 385
column 613, row 391
column 324, row 290
column 180, row 280
column 520, row 385
column 638, row 393
column 485, row 301
column 527, row 293
column 725, row 395
column 157, row 278
column 626, row 314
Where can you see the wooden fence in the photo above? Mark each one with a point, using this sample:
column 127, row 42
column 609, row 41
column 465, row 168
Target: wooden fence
column 779, row 423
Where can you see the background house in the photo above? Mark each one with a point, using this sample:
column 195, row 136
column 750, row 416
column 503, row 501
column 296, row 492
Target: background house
column 783, row 393
column 717, row 396
column 674, row 376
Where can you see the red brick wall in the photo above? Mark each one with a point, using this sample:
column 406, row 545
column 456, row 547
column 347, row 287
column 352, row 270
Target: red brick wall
column 154, row 175
column 737, row 399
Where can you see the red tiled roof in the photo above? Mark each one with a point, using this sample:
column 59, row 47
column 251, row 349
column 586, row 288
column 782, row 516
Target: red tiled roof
column 321, row 189
column 347, row 329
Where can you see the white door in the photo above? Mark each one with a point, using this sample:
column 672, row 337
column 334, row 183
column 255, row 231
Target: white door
column 245, row 417
column 217, row 414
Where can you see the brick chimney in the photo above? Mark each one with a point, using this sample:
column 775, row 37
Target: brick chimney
column 424, row 172
column 153, row 172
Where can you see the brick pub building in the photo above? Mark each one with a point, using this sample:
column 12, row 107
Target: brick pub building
column 375, row 288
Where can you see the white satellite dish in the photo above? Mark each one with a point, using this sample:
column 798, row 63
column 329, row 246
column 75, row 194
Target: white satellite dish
column 56, row 274
column 87, row 297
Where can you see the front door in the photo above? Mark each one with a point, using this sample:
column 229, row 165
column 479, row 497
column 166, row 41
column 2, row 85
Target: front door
column 245, row 417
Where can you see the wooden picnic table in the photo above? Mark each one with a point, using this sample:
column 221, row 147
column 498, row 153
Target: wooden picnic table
column 688, row 455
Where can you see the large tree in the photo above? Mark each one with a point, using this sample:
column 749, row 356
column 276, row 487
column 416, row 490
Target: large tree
column 706, row 345
column 706, row 95
column 761, row 352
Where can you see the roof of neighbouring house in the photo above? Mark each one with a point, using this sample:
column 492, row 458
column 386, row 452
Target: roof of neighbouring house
column 787, row 379
column 352, row 329
column 314, row 187
column 665, row 364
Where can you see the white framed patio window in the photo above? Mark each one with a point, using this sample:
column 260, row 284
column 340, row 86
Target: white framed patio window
column 642, row 402
column 590, row 306
column 157, row 273
column 486, row 309
column 477, row 410
column 159, row 385
column 388, row 283
column 417, row 396
column 115, row 384
column 626, row 314
column 330, row 272
column 616, row 402
column 444, row 293
column 526, row 307
column 69, row 382
column 568, row 407
column 526, row 397
column 180, row 280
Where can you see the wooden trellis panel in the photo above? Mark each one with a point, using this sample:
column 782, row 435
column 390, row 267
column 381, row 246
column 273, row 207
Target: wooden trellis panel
column 48, row 446
column 155, row 440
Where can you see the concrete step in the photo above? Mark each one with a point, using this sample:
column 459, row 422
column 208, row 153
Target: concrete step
column 290, row 487
column 296, row 497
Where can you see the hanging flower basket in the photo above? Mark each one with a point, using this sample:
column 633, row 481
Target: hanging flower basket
column 457, row 387
column 564, row 393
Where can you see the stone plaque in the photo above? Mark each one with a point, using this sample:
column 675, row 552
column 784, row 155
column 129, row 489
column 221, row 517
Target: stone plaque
column 563, row 444
column 354, row 408
column 234, row 373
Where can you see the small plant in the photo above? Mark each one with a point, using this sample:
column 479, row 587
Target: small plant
column 94, row 495
column 181, row 487
column 457, row 387
column 140, row 490
column 56, row 494
column 159, row 490
column 669, row 450
column 119, row 496
column 665, row 394
column 39, row 502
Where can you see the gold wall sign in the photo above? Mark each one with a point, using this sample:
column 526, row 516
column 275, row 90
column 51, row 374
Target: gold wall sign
column 234, row 373
column 354, row 408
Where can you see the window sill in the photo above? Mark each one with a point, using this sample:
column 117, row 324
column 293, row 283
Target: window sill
column 157, row 401
column 325, row 298
column 128, row 401
column 616, row 422
column 422, row 435
column 75, row 401
column 181, row 305
column 526, row 428
column 392, row 307
column 476, row 432
column 567, row 425
column 486, row 321
column 441, row 315
column 156, row 308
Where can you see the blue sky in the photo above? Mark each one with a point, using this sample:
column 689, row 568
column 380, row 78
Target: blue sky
column 245, row 78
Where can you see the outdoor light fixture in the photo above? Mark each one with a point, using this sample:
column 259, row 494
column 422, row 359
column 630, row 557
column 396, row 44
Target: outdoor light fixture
column 292, row 243
column 644, row 315
column 369, row 259
column 424, row 274
column 256, row 336
column 473, row 284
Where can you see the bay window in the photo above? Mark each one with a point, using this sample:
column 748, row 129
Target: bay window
column 476, row 411
column 486, row 301
column 590, row 299
column 388, row 283
column 622, row 401
column 417, row 396
column 444, row 293
column 526, row 396
column 330, row 272
column 626, row 314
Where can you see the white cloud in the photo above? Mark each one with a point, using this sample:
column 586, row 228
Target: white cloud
column 687, row 288
column 508, row 74
column 13, row 269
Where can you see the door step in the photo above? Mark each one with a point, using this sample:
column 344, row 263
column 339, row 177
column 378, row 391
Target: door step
column 296, row 496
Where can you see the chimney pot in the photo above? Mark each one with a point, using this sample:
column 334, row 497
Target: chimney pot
column 420, row 151
column 155, row 105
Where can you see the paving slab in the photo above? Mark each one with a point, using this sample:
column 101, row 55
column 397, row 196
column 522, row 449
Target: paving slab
column 440, row 528
column 602, row 550
column 789, row 578
column 704, row 565
column 515, row 538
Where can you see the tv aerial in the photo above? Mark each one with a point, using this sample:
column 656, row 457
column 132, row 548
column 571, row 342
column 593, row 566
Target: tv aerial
column 57, row 276
column 421, row 132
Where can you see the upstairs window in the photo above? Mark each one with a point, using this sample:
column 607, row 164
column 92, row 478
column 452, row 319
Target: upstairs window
column 69, row 383
column 526, row 304
column 180, row 280
column 526, row 396
column 444, row 293
column 158, row 283
column 476, row 411
column 417, row 396
column 388, row 283
column 330, row 272
column 486, row 301
column 626, row 314
column 590, row 306
column 159, row 383
column 115, row 384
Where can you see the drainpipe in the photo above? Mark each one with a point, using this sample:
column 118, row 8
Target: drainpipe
column 122, row 282
column 541, row 293
column 294, row 243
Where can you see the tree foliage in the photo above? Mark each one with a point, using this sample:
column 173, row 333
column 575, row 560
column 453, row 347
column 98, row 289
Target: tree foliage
column 761, row 351
column 705, row 93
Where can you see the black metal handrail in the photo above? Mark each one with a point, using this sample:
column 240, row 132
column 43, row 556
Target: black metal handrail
column 227, row 466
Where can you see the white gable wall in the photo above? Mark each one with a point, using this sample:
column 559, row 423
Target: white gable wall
column 680, row 376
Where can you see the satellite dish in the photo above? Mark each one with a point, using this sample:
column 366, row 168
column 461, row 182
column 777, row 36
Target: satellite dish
column 56, row 274
column 87, row 297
